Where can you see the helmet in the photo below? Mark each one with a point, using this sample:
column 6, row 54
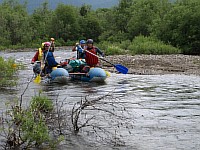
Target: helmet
column 90, row 41
column 42, row 45
column 47, row 44
column 82, row 42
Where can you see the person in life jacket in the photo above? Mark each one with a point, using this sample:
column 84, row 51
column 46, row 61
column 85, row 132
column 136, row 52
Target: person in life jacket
column 48, row 58
column 44, row 56
column 38, row 55
column 79, row 47
column 38, row 58
column 90, row 59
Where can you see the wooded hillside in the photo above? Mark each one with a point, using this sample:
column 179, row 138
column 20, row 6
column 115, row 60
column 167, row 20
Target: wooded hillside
column 157, row 21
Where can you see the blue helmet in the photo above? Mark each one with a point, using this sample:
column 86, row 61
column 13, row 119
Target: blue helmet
column 82, row 42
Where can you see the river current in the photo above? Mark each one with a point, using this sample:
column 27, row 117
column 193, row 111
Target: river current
column 162, row 112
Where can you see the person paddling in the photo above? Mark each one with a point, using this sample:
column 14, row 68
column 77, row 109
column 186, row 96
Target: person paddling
column 44, row 56
column 90, row 59
column 39, row 53
column 49, row 59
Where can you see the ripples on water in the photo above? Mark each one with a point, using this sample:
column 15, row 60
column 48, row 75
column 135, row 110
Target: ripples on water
column 165, row 109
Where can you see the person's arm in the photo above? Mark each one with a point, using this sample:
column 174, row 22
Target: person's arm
column 75, row 47
column 35, row 58
column 52, row 47
column 99, row 51
column 52, row 44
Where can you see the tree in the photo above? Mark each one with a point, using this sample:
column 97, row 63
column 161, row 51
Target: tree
column 143, row 14
column 122, row 15
column 181, row 27
column 105, row 17
column 85, row 9
column 115, row 28
column 91, row 26
column 65, row 22
column 14, row 23
column 40, row 22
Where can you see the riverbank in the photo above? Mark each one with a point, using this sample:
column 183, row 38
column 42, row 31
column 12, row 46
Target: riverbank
column 156, row 64
column 148, row 64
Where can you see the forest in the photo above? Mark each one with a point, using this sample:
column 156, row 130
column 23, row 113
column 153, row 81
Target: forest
column 171, row 27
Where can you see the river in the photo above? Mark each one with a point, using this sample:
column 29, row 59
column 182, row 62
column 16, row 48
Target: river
column 162, row 111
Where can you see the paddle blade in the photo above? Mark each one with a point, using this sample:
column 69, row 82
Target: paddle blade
column 121, row 69
column 37, row 79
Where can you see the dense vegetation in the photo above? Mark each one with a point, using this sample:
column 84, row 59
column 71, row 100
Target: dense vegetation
column 170, row 26
column 8, row 70
column 26, row 128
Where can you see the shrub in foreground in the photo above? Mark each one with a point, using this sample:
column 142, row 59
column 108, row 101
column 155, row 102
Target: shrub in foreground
column 8, row 69
column 29, row 128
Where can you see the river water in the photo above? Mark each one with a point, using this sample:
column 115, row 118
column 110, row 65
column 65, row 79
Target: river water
column 162, row 112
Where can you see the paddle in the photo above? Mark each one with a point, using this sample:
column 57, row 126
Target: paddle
column 120, row 68
column 38, row 78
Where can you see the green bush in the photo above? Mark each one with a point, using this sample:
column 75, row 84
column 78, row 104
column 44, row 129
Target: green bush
column 103, row 45
column 29, row 128
column 7, row 70
column 124, row 44
column 41, row 103
column 34, row 130
column 114, row 50
column 150, row 45
column 69, row 43
column 111, row 48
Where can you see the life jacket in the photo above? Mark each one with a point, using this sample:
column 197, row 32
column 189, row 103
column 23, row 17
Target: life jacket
column 90, row 59
column 50, row 60
column 80, row 54
column 40, row 54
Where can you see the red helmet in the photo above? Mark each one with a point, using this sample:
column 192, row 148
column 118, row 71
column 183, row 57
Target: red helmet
column 47, row 44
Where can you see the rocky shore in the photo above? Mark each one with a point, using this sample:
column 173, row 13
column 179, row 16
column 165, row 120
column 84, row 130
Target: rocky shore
column 156, row 64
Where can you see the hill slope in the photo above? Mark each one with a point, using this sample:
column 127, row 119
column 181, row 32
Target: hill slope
column 33, row 4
